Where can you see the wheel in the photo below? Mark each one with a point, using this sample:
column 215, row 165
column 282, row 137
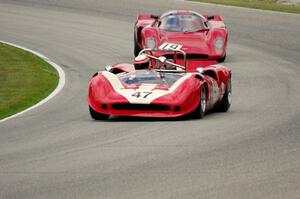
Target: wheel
column 201, row 108
column 222, row 59
column 226, row 100
column 97, row 116
column 137, row 49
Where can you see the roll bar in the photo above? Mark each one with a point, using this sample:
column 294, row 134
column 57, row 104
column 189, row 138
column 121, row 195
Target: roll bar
column 174, row 51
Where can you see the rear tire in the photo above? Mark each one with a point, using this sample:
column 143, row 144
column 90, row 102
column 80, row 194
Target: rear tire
column 226, row 100
column 201, row 108
column 97, row 116
column 137, row 49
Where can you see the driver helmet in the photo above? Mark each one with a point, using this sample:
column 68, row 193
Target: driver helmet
column 141, row 62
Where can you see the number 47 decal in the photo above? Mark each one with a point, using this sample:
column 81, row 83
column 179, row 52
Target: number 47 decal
column 141, row 94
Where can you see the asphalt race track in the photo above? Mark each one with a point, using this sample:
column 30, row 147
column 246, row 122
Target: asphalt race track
column 58, row 151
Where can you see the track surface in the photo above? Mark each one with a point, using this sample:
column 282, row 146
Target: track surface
column 58, row 151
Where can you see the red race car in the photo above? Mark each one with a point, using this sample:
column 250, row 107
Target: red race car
column 202, row 37
column 158, row 87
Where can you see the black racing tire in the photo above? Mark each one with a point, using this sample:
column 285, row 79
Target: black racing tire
column 137, row 49
column 222, row 59
column 97, row 116
column 201, row 108
column 226, row 100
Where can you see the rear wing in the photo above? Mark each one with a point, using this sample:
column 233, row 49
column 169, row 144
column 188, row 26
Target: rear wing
column 163, row 60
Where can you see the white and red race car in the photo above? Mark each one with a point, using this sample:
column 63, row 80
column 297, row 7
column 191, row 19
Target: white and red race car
column 163, row 88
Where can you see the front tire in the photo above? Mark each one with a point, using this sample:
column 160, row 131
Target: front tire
column 137, row 49
column 201, row 108
column 97, row 116
column 222, row 59
column 226, row 100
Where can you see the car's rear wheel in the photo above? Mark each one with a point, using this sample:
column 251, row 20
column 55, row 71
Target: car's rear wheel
column 226, row 100
column 201, row 108
column 97, row 116
column 137, row 49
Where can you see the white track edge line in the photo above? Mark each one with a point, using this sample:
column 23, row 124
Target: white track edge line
column 61, row 81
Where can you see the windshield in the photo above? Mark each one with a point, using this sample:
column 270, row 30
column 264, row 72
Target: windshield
column 149, row 77
column 182, row 23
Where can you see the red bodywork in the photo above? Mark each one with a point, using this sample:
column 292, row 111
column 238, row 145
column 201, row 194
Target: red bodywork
column 110, row 95
column 200, row 46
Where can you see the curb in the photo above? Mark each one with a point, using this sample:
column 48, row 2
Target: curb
column 61, row 81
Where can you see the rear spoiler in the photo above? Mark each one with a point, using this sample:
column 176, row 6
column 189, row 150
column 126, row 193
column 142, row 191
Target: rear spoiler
column 213, row 17
column 145, row 17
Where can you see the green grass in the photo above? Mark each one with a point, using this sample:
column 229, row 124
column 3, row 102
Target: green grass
column 25, row 79
column 274, row 5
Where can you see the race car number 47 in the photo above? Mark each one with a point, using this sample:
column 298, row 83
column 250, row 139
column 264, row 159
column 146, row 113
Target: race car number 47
column 141, row 94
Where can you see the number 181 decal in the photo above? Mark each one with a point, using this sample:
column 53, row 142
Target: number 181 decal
column 168, row 46
column 141, row 94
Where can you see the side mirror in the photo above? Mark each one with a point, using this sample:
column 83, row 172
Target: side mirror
column 108, row 68
column 158, row 23
column 200, row 70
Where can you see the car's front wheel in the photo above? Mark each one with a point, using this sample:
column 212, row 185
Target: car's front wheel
column 222, row 59
column 201, row 108
column 137, row 49
column 226, row 100
column 97, row 116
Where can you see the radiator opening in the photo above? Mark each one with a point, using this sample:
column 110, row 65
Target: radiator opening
column 148, row 107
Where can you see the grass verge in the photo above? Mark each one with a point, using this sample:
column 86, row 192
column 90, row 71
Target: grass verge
column 25, row 79
column 274, row 5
